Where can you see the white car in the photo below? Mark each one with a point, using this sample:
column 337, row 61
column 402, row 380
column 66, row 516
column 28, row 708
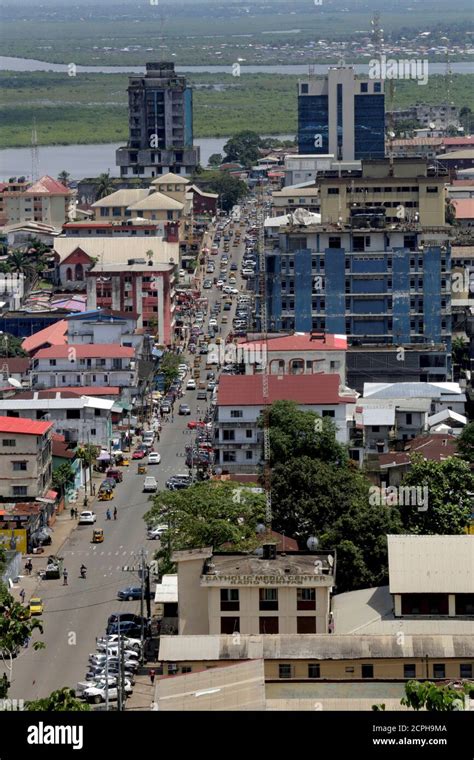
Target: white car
column 155, row 533
column 232, row 281
column 182, row 273
column 213, row 322
column 247, row 272
column 234, row 291
column 226, row 289
column 97, row 693
column 219, row 283
column 113, row 638
column 154, row 457
column 100, row 683
column 150, row 484
column 183, row 368
column 191, row 385
column 87, row 518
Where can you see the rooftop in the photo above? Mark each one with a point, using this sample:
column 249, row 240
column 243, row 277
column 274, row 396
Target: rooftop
column 86, row 351
column 286, row 564
column 117, row 250
column 172, row 179
column 48, row 185
column 413, row 390
column 434, row 447
column 16, row 365
column 20, row 426
column 300, row 341
column 156, row 201
column 247, row 390
column 431, row 564
column 464, row 208
column 55, row 401
column 53, row 335
column 122, row 198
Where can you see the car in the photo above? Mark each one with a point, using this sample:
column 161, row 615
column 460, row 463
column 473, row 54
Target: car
column 183, row 367
column 182, row 273
column 97, row 672
column 211, row 385
column 129, row 593
column 166, row 409
column 227, row 306
column 112, row 655
column 219, row 283
column 156, row 532
column 101, row 683
column 234, row 291
column 87, row 517
column 202, row 396
column 184, row 409
column 177, row 482
column 139, row 453
column 203, row 350
column 150, row 484
column 232, row 281
column 98, row 692
column 207, row 284
column 148, row 435
column 213, row 322
column 109, row 641
column 36, row 606
column 154, row 457
column 191, row 385
column 247, row 272
column 233, row 267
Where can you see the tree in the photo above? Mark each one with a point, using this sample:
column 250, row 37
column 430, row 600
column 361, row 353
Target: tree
column 215, row 159
column 434, row 698
column 63, row 177
column 460, row 351
column 105, row 185
column 10, row 346
column 294, row 433
column 22, row 263
column 88, row 455
column 16, row 626
column 61, row 700
column 229, row 188
column 207, row 514
column 62, row 476
column 465, row 443
column 243, row 148
column 446, row 486
column 169, row 368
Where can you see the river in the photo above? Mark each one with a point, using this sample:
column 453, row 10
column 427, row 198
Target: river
column 28, row 64
column 86, row 160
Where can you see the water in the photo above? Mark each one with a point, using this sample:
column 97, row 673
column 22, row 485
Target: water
column 28, row 64
column 86, row 160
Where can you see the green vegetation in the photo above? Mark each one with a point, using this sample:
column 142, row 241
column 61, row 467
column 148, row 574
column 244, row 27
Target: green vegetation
column 10, row 346
column 434, row 698
column 16, row 626
column 61, row 700
column 229, row 188
column 92, row 108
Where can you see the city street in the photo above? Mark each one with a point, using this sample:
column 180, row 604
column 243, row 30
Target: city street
column 76, row 614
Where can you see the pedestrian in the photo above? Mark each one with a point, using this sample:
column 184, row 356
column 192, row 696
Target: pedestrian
column 93, row 489
column 75, row 513
column 28, row 567
column 86, row 501
column 115, row 513
column 65, row 575
column 108, row 515
column 22, row 595
column 152, row 674
column 72, row 513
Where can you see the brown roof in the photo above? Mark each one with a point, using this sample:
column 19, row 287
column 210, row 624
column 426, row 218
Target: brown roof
column 61, row 449
column 17, row 365
column 434, row 447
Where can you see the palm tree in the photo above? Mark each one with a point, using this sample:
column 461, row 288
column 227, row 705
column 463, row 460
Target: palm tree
column 22, row 263
column 105, row 185
column 63, row 177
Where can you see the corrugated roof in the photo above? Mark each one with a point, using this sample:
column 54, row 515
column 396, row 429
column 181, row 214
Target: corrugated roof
column 54, row 335
column 17, row 365
column 70, row 391
column 434, row 447
column 87, row 351
column 464, row 207
column 172, row 179
column 413, row 390
column 72, row 401
column 117, row 250
column 457, row 155
column 23, row 426
column 121, row 198
column 156, row 201
column 431, row 564
column 312, row 646
column 247, row 390
column 48, row 185
column 300, row 342
column 167, row 590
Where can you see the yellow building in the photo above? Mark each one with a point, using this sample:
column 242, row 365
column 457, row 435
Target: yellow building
column 46, row 201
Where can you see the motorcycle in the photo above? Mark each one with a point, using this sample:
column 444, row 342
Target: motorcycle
column 83, row 572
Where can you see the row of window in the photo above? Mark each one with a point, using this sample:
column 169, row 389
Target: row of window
column 268, row 599
column 433, row 189
column 368, row 671
column 268, row 625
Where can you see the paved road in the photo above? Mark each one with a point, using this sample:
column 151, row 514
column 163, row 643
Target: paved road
column 76, row 614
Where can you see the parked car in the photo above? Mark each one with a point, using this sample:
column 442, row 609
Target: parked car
column 176, row 482
column 130, row 592
column 165, row 407
column 150, row 484
column 184, row 409
column 87, row 517
column 201, row 396
column 154, row 457
column 98, row 693
column 129, row 643
column 156, row 532
column 191, row 385
column 124, row 617
column 138, row 454
column 207, row 284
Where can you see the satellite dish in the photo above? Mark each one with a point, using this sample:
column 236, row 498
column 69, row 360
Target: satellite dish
column 15, row 383
column 312, row 543
column 331, row 560
column 432, row 125
column 391, row 135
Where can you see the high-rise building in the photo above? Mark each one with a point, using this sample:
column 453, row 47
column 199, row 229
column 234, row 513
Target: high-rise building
column 160, row 118
column 342, row 115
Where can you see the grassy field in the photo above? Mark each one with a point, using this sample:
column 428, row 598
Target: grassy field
column 92, row 108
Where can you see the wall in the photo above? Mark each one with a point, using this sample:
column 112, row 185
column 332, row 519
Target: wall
column 36, row 452
column 192, row 605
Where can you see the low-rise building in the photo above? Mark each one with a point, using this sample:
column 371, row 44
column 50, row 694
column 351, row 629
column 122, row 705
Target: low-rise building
column 12, row 290
column 264, row 592
column 53, row 335
column 441, row 395
column 289, row 198
column 46, row 201
column 25, row 458
column 240, row 401
column 16, row 368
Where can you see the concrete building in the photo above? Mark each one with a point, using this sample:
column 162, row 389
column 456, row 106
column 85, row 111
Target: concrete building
column 160, row 118
column 17, row 368
column 435, row 447
column 114, row 228
column 80, row 419
column 78, row 364
column 224, row 593
column 342, row 115
column 25, row 458
column 442, row 396
column 383, row 363
column 46, row 201
column 304, row 168
column 443, row 116
column 12, row 290
column 108, row 326
column 238, row 438
column 288, row 199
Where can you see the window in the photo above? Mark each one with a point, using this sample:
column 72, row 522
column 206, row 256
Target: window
column 408, row 418
column 431, row 189
column 248, row 455
column 334, row 242
column 377, row 86
column 97, row 412
column 248, row 433
column 234, row 413
column 9, row 442
column 116, row 211
column 268, row 625
column 314, row 670
column 228, row 435
column 465, row 670
column 230, row 625
column 228, row 456
column 52, row 362
column 73, row 414
column 333, row 191
column 186, row 669
column 409, row 671
column 306, row 625
column 17, row 466
column 364, row 86
column 172, row 668
column 93, row 431
column 20, row 490
column 424, row 604
column 367, row 671
column 230, row 599
column 285, row 671
column 439, row 670
column 328, row 413
column 306, row 599
column 304, row 89
column 464, row 604
column 268, row 599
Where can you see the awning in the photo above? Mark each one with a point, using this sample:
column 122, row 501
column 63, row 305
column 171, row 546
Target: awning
column 104, row 456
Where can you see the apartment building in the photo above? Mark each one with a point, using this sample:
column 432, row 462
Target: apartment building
column 342, row 115
column 238, row 438
column 160, row 117
column 288, row 199
column 85, row 364
column 267, row 592
column 46, row 201
column 80, row 419
column 25, row 458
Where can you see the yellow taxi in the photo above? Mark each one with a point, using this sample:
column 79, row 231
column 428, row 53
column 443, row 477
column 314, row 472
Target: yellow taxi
column 36, row 606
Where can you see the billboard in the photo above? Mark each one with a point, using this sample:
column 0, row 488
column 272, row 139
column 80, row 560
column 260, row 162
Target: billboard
column 13, row 540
